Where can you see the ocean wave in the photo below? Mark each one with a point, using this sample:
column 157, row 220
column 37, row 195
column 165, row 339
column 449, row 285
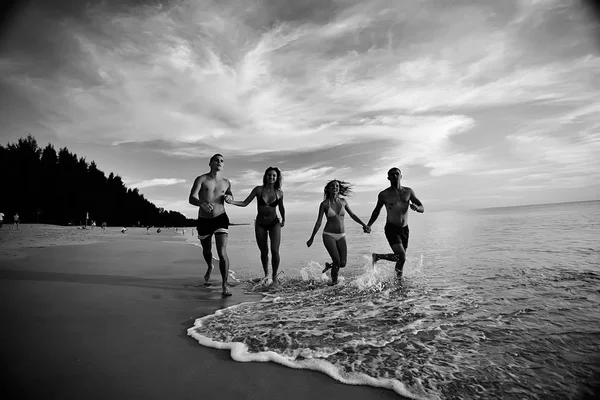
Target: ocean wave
column 420, row 341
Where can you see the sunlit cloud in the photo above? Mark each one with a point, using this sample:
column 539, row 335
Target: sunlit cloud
column 307, row 179
column 442, row 91
column 156, row 182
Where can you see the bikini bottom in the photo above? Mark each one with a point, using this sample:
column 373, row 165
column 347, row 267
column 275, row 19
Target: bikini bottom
column 336, row 236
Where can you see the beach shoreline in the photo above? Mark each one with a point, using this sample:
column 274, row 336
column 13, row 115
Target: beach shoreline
column 108, row 318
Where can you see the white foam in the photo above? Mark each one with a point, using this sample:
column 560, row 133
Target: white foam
column 374, row 276
column 231, row 272
column 239, row 352
column 313, row 272
column 262, row 284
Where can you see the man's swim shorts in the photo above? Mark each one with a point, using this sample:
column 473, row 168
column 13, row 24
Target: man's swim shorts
column 216, row 225
column 396, row 234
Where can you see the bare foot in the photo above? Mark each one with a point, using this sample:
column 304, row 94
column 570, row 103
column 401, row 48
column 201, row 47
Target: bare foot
column 333, row 282
column 226, row 292
column 207, row 276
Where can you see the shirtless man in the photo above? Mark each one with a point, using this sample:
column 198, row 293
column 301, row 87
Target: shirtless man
column 397, row 200
column 208, row 193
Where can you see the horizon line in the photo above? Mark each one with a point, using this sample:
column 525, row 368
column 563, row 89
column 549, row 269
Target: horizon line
column 532, row 205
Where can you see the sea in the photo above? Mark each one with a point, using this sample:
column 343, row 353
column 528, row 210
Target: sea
column 499, row 303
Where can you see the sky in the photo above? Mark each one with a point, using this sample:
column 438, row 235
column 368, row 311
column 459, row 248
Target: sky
column 480, row 103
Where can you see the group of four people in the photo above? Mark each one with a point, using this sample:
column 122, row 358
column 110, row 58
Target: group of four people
column 211, row 191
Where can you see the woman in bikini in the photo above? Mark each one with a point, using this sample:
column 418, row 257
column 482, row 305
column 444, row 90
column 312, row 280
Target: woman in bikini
column 269, row 197
column 333, row 207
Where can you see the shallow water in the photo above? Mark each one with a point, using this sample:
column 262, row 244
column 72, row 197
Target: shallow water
column 499, row 303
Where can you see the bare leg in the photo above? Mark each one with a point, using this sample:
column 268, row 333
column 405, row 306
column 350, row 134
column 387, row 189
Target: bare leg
column 331, row 246
column 275, row 235
column 387, row 257
column 399, row 256
column 375, row 257
column 263, row 246
column 207, row 253
column 343, row 251
column 399, row 250
column 221, row 242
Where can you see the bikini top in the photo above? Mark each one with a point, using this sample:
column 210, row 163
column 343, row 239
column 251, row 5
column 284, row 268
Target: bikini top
column 261, row 201
column 331, row 212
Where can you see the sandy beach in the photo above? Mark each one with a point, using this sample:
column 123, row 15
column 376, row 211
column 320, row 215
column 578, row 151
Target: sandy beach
column 98, row 314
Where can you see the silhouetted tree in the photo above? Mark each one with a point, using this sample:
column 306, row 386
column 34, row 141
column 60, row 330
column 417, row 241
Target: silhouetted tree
column 48, row 184
column 60, row 188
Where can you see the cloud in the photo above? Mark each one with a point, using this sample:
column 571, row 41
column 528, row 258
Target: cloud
column 190, row 211
column 307, row 179
column 581, row 113
column 345, row 89
column 164, row 78
column 156, row 182
column 564, row 147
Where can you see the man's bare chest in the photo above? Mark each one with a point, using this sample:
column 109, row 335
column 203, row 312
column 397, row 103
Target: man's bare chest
column 214, row 187
column 392, row 199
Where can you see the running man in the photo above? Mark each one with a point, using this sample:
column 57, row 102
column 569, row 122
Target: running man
column 209, row 192
column 397, row 199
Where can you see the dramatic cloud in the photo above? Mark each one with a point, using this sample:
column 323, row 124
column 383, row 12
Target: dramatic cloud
column 455, row 94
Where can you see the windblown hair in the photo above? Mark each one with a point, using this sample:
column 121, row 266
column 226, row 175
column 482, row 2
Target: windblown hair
column 345, row 188
column 279, row 182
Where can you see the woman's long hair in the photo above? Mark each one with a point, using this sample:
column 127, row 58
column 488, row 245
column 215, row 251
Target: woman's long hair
column 278, row 183
column 345, row 188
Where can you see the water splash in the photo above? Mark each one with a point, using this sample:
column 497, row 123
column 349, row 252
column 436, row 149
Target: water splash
column 420, row 340
column 374, row 276
column 313, row 272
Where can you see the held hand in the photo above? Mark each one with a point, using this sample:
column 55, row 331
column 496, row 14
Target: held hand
column 366, row 229
column 206, row 207
column 228, row 198
column 310, row 242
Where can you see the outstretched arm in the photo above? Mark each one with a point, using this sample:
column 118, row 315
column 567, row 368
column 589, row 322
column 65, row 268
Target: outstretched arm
column 416, row 204
column 355, row 218
column 281, row 210
column 245, row 202
column 376, row 211
column 317, row 224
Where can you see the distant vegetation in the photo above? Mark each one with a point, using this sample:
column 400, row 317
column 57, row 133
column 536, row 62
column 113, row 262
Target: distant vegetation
column 58, row 188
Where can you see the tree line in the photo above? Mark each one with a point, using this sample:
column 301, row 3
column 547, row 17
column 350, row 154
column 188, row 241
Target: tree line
column 46, row 186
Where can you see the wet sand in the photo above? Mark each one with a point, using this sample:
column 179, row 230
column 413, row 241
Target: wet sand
column 98, row 315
